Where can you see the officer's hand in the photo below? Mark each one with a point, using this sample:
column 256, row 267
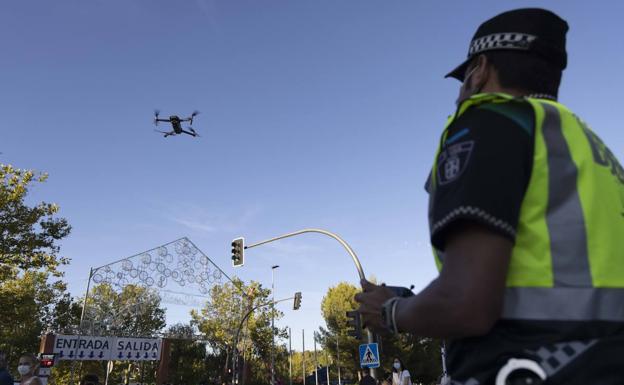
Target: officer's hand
column 371, row 300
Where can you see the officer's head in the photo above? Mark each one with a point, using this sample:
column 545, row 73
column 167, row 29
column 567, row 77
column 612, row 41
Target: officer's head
column 520, row 52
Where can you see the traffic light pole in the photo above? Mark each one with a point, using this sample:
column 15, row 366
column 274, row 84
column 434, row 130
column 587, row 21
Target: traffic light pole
column 344, row 244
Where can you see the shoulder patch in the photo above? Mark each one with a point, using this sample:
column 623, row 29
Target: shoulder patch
column 453, row 160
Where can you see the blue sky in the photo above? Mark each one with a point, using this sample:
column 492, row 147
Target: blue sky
column 314, row 114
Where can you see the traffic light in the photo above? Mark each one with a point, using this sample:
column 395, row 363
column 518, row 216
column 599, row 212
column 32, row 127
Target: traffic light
column 238, row 252
column 297, row 303
column 46, row 360
column 355, row 326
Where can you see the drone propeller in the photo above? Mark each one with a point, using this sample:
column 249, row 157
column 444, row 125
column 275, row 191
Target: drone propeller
column 194, row 114
column 165, row 132
column 156, row 113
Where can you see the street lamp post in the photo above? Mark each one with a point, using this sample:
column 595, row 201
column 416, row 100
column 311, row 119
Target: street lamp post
column 338, row 359
column 273, row 324
column 315, row 361
column 344, row 244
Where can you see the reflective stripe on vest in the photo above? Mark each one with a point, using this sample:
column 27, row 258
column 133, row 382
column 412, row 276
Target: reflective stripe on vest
column 567, row 263
column 564, row 304
column 571, row 296
column 564, row 216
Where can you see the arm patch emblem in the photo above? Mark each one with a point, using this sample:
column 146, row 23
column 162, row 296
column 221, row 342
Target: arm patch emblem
column 453, row 160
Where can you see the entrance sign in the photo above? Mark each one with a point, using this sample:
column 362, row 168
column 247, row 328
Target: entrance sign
column 369, row 355
column 83, row 348
column 96, row 348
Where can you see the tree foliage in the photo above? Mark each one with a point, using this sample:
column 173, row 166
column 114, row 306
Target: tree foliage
column 219, row 320
column 29, row 306
column 133, row 311
column 188, row 362
column 338, row 300
column 28, row 235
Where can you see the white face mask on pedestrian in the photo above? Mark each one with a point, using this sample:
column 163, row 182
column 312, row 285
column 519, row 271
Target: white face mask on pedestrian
column 397, row 365
column 23, row 369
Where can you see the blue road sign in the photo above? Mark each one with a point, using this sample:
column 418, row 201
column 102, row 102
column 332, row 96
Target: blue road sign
column 369, row 355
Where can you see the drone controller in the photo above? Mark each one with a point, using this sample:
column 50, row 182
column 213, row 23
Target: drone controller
column 401, row 291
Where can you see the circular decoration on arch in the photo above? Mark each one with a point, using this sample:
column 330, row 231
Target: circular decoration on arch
column 97, row 278
column 146, row 258
column 126, row 265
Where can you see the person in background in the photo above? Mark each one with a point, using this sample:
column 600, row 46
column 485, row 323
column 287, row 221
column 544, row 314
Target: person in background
column 400, row 375
column 366, row 378
column 27, row 367
column 5, row 376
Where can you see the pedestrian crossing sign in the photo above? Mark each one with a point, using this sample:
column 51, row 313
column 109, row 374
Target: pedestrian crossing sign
column 369, row 355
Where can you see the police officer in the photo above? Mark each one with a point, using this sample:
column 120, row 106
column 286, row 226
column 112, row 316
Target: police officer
column 526, row 220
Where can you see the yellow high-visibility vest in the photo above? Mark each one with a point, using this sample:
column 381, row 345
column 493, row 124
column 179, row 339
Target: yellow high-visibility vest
column 567, row 263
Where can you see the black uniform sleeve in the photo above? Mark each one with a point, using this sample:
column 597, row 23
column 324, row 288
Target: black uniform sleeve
column 482, row 170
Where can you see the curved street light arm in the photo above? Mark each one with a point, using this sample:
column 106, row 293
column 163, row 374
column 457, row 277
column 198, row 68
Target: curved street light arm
column 358, row 265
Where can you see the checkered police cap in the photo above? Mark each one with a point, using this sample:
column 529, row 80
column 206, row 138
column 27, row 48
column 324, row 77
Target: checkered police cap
column 532, row 30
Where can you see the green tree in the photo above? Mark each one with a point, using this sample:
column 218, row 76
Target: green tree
column 28, row 235
column 221, row 317
column 187, row 363
column 134, row 311
column 336, row 303
column 29, row 306
column 323, row 359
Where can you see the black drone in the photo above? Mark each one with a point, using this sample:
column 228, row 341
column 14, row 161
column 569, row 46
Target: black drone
column 176, row 124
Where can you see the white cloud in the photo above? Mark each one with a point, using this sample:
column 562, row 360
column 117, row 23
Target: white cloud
column 205, row 219
column 196, row 225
